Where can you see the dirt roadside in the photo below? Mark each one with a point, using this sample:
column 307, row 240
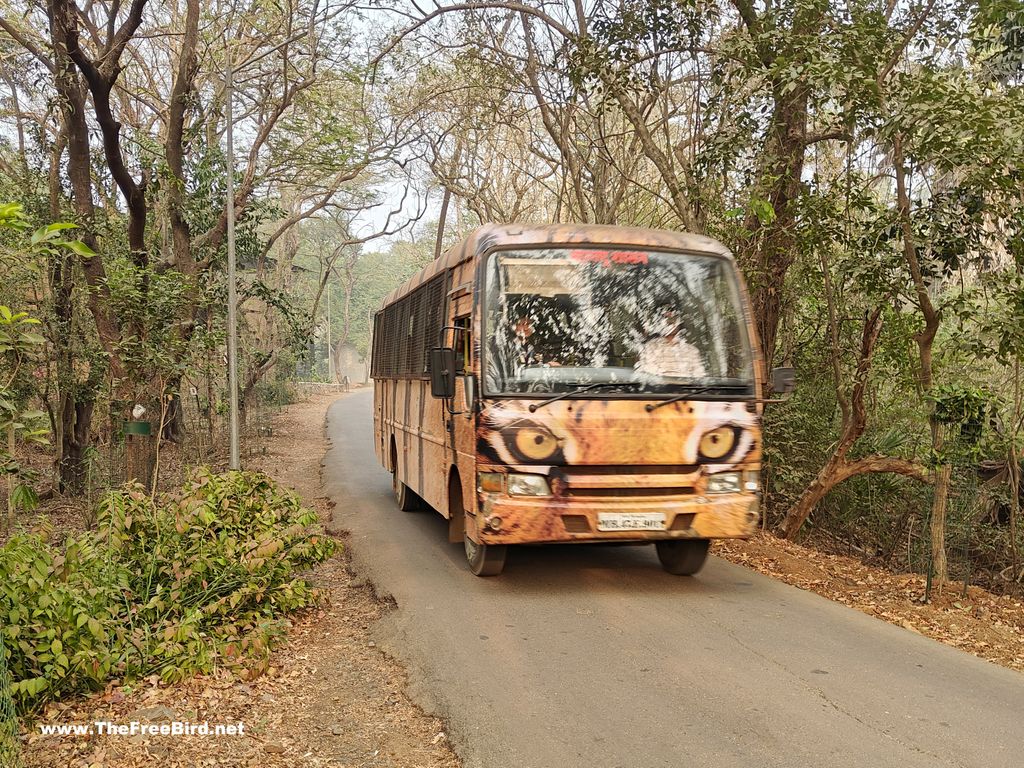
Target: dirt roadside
column 987, row 625
column 330, row 697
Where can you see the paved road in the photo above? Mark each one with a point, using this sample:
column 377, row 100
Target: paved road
column 593, row 657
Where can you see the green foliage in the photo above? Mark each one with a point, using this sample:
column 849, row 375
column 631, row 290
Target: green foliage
column 9, row 730
column 966, row 411
column 296, row 324
column 22, row 347
column 997, row 34
column 198, row 579
column 149, row 303
column 376, row 275
column 12, row 216
column 19, row 344
column 46, row 240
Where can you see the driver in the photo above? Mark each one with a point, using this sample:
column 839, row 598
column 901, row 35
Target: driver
column 668, row 353
column 528, row 355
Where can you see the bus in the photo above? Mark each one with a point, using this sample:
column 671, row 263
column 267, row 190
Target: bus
column 574, row 383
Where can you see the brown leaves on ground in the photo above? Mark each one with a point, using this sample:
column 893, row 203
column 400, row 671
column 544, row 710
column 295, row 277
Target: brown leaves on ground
column 989, row 626
column 329, row 698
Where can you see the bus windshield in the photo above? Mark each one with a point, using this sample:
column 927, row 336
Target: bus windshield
column 632, row 321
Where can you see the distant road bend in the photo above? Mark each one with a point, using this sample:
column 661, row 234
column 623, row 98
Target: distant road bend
column 593, row 657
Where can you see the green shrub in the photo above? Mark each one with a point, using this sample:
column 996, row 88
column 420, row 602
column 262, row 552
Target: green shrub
column 184, row 584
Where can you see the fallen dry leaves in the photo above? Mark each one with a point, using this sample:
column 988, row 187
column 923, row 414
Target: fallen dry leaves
column 989, row 626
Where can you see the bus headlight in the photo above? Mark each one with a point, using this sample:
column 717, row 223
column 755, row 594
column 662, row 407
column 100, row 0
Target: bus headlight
column 528, row 485
column 724, row 482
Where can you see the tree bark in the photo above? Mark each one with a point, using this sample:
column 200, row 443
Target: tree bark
column 75, row 412
column 181, row 236
column 838, row 470
column 775, row 246
column 76, row 421
column 939, row 566
column 925, row 340
column 1014, row 473
column 73, row 101
column 100, row 76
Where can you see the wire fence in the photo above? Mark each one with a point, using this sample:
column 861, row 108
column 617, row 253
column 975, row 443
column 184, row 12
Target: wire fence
column 202, row 440
column 121, row 451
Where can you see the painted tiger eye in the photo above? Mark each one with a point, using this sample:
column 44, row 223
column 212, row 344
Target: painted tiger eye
column 536, row 444
column 717, row 443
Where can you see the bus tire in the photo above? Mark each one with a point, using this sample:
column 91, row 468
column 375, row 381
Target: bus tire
column 484, row 559
column 682, row 557
column 407, row 499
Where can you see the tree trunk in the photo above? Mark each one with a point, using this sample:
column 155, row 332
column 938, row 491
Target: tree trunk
column 775, row 249
column 79, row 170
column 140, row 459
column 255, row 374
column 174, row 416
column 940, row 502
column 925, row 340
column 1014, row 473
column 826, row 479
column 76, row 422
column 837, row 470
column 780, row 176
column 442, row 220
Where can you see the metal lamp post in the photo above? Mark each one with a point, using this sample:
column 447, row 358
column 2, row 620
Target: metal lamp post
column 234, row 455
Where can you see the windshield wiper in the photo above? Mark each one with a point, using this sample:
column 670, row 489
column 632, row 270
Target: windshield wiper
column 579, row 388
column 698, row 391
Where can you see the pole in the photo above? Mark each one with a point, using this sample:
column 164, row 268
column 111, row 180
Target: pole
column 234, row 457
column 330, row 349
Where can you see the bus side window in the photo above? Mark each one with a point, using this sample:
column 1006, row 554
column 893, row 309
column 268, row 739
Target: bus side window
column 462, row 344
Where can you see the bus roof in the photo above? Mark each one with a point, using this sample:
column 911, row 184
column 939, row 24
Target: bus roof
column 490, row 236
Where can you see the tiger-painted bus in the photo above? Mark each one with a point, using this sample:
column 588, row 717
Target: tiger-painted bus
column 574, row 383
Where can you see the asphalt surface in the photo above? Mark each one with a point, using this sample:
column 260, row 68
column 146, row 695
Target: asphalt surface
column 591, row 656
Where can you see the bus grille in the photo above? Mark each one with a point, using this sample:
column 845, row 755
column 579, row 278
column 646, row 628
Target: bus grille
column 610, row 492
column 662, row 481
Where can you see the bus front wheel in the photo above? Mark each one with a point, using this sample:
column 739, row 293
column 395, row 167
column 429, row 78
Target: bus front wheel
column 682, row 557
column 484, row 559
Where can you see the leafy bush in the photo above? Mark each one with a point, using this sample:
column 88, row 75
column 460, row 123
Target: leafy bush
column 189, row 582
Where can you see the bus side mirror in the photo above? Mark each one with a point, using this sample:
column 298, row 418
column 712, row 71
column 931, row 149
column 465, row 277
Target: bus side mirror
column 783, row 381
column 442, row 372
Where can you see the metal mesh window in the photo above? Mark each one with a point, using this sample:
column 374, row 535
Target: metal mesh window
column 405, row 331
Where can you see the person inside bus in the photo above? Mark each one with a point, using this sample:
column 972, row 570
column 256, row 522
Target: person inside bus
column 668, row 353
column 528, row 353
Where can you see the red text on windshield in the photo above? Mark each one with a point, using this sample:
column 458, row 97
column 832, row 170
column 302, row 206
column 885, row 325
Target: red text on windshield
column 607, row 258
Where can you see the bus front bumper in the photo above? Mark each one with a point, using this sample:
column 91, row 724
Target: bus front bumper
column 548, row 519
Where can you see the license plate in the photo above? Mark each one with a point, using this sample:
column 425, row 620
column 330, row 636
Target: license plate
column 630, row 521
